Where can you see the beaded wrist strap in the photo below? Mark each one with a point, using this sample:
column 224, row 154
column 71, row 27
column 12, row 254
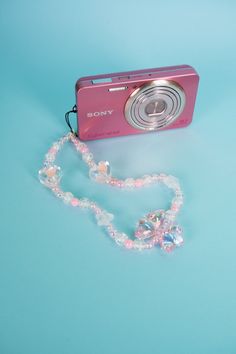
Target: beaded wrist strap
column 157, row 228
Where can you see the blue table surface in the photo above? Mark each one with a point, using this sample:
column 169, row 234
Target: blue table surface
column 65, row 287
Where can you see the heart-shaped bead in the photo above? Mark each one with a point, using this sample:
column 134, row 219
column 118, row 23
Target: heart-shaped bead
column 100, row 172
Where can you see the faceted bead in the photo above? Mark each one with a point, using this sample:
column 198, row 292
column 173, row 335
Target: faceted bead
column 147, row 179
column 138, row 182
column 57, row 191
column 156, row 217
column 139, row 245
column 170, row 215
column 144, row 230
column 128, row 244
column 74, row 202
column 171, row 182
column 85, row 203
column 87, row 157
column 172, row 238
column 83, row 148
column 100, row 172
column 50, row 157
column 50, row 176
column 67, row 197
column 120, row 238
column 177, row 231
column 129, row 182
column 178, row 240
column 167, row 243
column 56, row 146
column 104, row 218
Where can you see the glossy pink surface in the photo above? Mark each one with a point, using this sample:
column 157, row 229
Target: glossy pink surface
column 96, row 98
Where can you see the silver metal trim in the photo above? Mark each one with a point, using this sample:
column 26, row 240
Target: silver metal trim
column 170, row 91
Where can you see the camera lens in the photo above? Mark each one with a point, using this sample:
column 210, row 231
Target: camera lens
column 155, row 105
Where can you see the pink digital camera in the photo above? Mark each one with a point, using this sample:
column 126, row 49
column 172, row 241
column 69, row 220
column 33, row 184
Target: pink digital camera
column 135, row 102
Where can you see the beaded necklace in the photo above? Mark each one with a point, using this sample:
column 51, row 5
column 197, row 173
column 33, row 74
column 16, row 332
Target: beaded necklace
column 157, row 228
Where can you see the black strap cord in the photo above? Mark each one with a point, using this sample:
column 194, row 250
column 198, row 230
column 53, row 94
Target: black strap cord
column 67, row 118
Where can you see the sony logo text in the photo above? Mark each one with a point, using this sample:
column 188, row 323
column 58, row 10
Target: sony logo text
column 100, row 114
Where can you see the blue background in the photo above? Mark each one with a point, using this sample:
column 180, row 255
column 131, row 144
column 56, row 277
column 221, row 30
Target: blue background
column 64, row 286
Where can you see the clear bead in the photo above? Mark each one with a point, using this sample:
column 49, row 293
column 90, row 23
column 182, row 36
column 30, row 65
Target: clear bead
column 167, row 243
column 156, row 217
column 104, row 218
column 144, row 230
column 50, row 176
column 87, row 157
column 147, row 179
column 139, row 245
column 56, row 146
column 67, row 197
column 171, row 182
column 120, row 238
column 129, row 182
column 100, row 172
column 84, row 203
column 50, row 157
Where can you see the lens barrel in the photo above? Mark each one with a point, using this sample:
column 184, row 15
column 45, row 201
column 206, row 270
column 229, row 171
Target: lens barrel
column 155, row 105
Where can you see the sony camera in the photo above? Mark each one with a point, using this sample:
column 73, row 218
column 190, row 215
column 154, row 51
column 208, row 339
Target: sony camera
column 135, row 102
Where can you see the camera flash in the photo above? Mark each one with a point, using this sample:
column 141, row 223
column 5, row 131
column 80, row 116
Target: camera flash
column 122, row 88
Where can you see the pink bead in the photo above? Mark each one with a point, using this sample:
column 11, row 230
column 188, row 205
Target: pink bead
column 84, row 149
column 119, row 183
column 74, row 202
column 175, row 207
column 113, row 182
column 138, row 183
column 128, row 244
column 52, row 151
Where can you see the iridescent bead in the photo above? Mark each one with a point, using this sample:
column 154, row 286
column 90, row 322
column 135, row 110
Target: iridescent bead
column 177, row 231
column 144, row 230
column 172, row 238
column 167, row 242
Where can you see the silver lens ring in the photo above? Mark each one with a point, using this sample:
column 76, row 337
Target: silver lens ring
column 155, row 105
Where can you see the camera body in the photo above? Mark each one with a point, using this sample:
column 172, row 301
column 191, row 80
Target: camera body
column 135, row 102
